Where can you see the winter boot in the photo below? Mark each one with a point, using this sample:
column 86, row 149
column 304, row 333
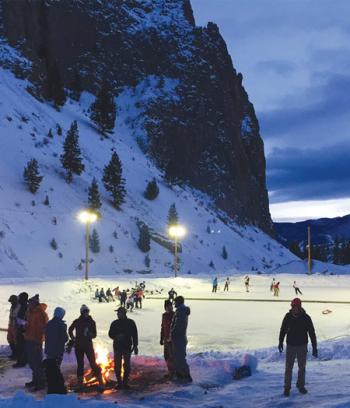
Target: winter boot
column 302, row 390
column 286, row 392
column 119, row 385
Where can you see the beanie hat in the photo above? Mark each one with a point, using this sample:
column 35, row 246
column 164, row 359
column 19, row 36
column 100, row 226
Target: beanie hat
column 12, row 298
column 84, row 308
column 296, row 302
column 34, row 299
column 59, row 313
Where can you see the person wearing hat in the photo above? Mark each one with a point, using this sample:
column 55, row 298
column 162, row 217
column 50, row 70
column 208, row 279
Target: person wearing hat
column 178, row 331
column 85, row 331
column 34, row 335
column 20, row 327
column 123, row 331
column 165, row 337
column 55, row 339
column 11, row 330
column 297, row 325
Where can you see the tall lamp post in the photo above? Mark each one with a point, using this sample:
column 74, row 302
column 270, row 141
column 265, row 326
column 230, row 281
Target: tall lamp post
column 87, row 217
column 176, row 232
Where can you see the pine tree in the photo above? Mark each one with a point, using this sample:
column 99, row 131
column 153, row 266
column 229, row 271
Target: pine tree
column 94, row 199
column 336, row 250
column 211, row 264
column 46, row 201
column 31, row 176
column 147, row 261
column 94, row 242
column 71, row 158
column 152, row 190
column 53, row 244
column 224, row 252
column 113, row 181
column 49, row 134
column 55, row 89
column 103, row 110
column 208, row 229
column 59, row 129
column 144, row 242
column 76, row 87
column 111, row 249
column 173, row 217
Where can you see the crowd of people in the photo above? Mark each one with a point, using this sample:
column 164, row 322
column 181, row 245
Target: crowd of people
column 29, row 328
column 128, row 298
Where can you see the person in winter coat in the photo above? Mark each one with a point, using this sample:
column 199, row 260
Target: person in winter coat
column 11, row 329
column 178, row 331
column 246, row 283
column 123, row 331
column 103, row 296
column 272, row 284
column 116, row 292
column 55, row 339
column 297, row 325
column 296, row 288
column 165, row 337
column 172, row 295
column 130, row 303
column 56, row 336
column 215, row 285
column 123, row 297
column 109, row 294
column 276, row 289
column 227, row 284
column 85, row 331
column 34, row 335
column 20, row 327
column 97, row 294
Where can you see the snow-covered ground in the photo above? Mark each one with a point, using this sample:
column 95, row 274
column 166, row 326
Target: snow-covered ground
column 221, row 331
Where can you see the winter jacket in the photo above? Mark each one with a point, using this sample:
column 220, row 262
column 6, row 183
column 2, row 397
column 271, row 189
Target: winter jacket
column 123, row 296
column 13, row 314
column 165, row 332
column 36, row 322
column 55, row 337
column 215, row 282
column 297, row 327
column 179, row 323
column 85, row 331
column 124, row 334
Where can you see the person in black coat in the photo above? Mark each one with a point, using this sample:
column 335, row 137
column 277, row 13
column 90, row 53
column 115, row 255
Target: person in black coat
column 55, row 339
column 123, row 331
column 178, row 330
column 297, row 325
column 20, row 328
column 123, row 297
column 85, row 331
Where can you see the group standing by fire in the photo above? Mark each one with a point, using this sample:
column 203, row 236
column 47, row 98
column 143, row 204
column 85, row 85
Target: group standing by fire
column 29, row 326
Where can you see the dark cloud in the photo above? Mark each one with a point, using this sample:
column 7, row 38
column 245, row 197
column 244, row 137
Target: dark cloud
column 311, row 174
column 281, row 67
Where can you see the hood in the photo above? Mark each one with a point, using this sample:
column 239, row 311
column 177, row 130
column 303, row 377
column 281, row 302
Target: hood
column 183, row 309
column 302, row 312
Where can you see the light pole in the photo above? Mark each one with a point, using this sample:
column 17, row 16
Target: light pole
column 176, row 232
column 87, row 217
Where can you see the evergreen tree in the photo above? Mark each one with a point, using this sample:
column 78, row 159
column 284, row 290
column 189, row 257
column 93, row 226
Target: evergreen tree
column 59, row 129
column 31, row 176
column 336, row 250
column 71, row 158
column 224, row 252
column 53, row 244
column 76, row 87
column 295, row 249
column 208, row 229
column 94, row 242
column 144, row 242
column 173, row 217
column 49, row 134
column 147, row 261
column 113, row 181
column 55, row 89
column 46, row 201
column 103, row 110
column 111, row 249
column 211, row 264
column 152, row 190
column 94, row 199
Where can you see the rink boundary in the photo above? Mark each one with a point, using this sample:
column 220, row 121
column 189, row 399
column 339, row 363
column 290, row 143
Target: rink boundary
column 256, row 300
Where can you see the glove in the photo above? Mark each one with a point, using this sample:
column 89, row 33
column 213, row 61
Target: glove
column 315, row 352
column 280, row 347
column 136, row 351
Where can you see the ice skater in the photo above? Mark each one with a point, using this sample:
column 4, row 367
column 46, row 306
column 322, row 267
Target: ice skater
column 246, row 283
column 215, row 285
column 272, row 284
column 296, row 288
column 276, row 289
column 227, row 284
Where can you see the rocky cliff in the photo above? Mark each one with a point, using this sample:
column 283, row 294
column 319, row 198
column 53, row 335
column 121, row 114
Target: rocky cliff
column 205, row 133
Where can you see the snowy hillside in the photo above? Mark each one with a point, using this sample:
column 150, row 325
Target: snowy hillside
column 26, row 223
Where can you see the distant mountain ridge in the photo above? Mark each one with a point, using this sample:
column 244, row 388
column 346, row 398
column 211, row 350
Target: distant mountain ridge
column 323, row 230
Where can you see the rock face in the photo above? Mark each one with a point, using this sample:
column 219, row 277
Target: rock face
column 208, row 136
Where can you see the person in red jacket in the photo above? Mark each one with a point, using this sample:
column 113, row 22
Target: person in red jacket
column 34, row 335
column 165, row 337
column 85, row 331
